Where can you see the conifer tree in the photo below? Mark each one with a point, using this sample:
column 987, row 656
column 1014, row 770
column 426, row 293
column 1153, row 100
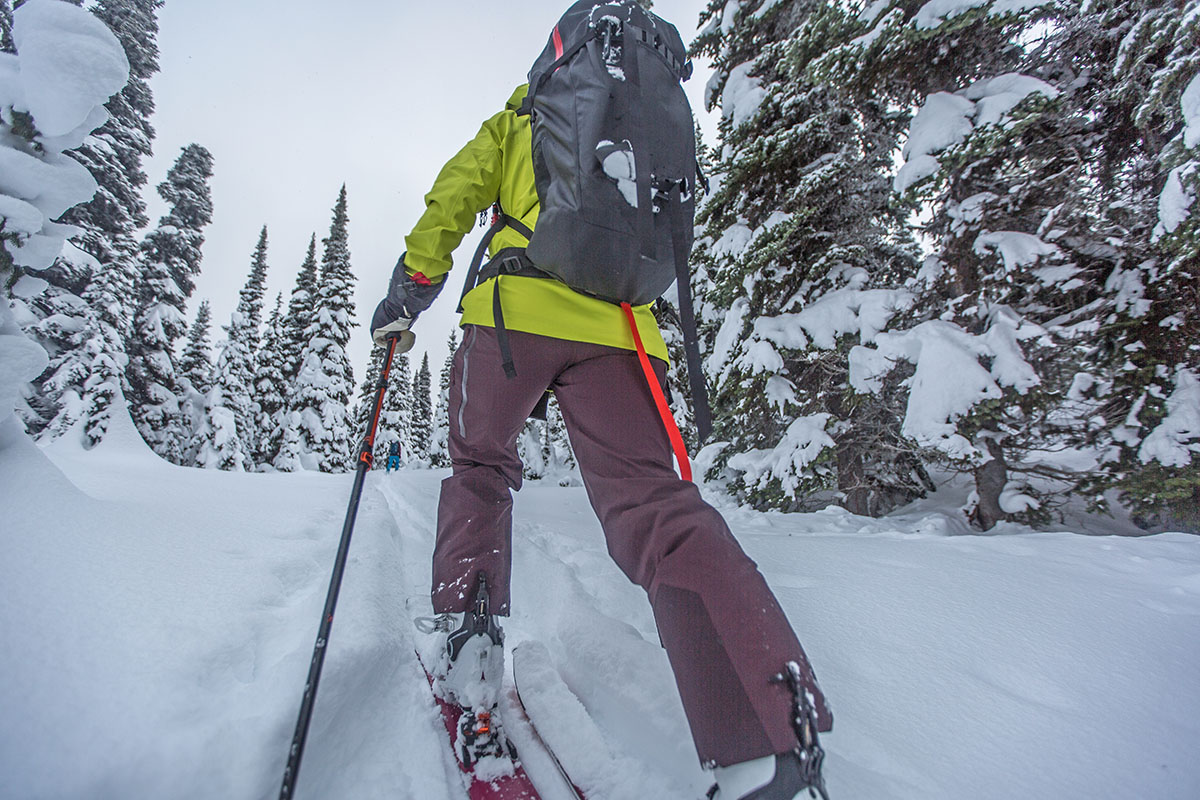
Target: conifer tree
column 91, row 362
column 194, row 374
column 559, row 457
column 325, row 381
column 421, row 425
column 532, row 450
column 300, row 310
column 360, row 418
column 195, row 363
column 1143, row 95
column 170, row 260
column 6, row 25
column 439, row 454
column 291, row 456
column 1000, row 171
column 801, row 253
column 216, row 444
column 237, row 356
column 270, row 386
column 396, row 419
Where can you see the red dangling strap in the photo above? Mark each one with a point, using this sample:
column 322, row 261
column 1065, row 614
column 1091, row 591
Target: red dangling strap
column 664, row 411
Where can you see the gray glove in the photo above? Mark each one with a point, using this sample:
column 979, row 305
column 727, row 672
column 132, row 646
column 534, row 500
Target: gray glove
column 408, row 295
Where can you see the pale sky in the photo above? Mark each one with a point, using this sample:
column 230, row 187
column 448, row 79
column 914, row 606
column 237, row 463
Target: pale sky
column 296, row 97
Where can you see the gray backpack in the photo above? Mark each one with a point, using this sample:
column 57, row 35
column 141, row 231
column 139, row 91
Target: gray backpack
column 614, row 161
column 614, row 152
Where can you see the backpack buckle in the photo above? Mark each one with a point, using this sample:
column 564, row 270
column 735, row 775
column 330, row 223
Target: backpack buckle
column 511, row 265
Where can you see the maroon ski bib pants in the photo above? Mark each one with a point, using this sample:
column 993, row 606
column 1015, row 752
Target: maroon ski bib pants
column 723, row 630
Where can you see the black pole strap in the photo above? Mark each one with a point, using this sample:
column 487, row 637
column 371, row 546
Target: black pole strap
column 364, row 460
column 687, row 318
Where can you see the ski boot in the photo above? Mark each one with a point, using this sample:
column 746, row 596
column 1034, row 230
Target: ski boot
column 785, row 776
column 470, row 674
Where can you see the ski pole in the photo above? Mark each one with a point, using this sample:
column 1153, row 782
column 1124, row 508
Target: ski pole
column 363, row 466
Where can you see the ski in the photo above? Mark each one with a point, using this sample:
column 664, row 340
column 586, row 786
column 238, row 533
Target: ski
column 488, row 779
column 547, row 698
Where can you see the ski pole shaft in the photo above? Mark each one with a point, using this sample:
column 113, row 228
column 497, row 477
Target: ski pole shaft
column 364, row 460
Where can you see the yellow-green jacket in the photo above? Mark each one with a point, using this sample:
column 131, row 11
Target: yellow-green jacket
column 498, row 165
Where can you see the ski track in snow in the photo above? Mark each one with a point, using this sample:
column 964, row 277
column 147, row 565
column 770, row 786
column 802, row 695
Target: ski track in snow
column 160, row 623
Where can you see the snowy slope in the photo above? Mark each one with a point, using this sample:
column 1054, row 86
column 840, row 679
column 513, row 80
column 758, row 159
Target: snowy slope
column 158, row 622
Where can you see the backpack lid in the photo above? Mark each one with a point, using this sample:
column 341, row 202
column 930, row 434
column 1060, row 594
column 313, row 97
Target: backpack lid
column 582, row 20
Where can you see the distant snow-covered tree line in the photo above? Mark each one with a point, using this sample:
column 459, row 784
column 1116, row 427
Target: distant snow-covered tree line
column 943, row 238
column 955, row 237
column 110, row 309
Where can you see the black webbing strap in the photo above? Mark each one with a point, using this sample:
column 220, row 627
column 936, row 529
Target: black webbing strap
column 656, row 43
column 687, row 316
column 510, row 260
column 568, row 54
column 633, row 109
column 502, row 221
column 506, row 359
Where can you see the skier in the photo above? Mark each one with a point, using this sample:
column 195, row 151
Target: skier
column 393, row 459
column 750, row 695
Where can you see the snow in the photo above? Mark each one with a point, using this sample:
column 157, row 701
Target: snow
column 949, row 379
column 70, row 62
column 619, row 164
column 67, row 65
column 1175, row 202
column 159, row 624
column 871, row 13
column 1190, row 104
column 803, row 441
column 946, row 119
column 935, row 12
column 1174, row 441
column 1016, row 249
column 742, row 96
column 728, row 336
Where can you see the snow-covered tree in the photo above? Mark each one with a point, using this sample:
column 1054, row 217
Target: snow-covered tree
column 421, row 421
column 59, row 65
column 1000, row 173
column 1138, row 63
column 439, row 453
column 171, row 258
column 92, row 365
column 395, row 419
column 801, row 251
column 216, row 444
column 194, row 374
column 392, row 425
column 270, row 387
column 236, row 359
column 559, row 457
column 195, row 362
column 325, row 382
column 6, row 23
column 300, row 310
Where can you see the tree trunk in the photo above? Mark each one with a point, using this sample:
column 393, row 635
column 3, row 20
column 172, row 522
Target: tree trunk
column 851, row 482
column 989, row 483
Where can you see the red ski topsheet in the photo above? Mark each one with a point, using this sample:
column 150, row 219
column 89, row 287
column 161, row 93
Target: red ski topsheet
column 509, row 787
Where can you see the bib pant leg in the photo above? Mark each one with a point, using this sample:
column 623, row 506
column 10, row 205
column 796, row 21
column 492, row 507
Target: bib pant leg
column 723, row 630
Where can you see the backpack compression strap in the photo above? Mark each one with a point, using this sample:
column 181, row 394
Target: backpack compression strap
column 664, row 411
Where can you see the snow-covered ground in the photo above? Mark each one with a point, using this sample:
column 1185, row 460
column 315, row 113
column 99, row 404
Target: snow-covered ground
column 157, row 624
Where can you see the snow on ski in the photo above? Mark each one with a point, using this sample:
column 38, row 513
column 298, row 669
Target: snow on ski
column 593, row 768
column 530, row 670
column 494, row 784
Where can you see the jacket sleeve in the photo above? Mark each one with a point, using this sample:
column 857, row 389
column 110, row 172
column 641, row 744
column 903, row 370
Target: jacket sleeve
column 467, row 184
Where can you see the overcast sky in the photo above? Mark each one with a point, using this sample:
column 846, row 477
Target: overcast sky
column 296, row 97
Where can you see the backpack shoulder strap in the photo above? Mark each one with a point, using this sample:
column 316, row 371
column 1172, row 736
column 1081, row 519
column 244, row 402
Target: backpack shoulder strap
column 503, row 221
